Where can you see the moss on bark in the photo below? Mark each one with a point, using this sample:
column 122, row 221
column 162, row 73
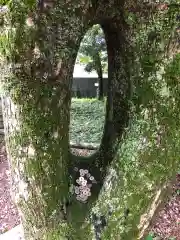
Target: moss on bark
column 43, row 49
column 40, row 53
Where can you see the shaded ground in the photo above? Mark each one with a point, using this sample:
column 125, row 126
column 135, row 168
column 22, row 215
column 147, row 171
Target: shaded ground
column 8, row 212
column 166, row 225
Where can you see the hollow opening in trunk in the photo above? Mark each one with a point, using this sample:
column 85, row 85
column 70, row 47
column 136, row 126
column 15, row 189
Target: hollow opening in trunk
column 89, row 91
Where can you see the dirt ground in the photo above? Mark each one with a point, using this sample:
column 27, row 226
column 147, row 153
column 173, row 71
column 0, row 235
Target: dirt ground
column 8, row 213
column 166, row 225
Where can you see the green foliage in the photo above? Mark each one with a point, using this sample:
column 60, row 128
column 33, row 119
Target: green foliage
column 153, row 237
column 87, row 120
column 92, row 52
column 149, row 237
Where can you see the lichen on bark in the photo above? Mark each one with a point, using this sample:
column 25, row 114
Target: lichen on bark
column 39, row 52
column 39, row 85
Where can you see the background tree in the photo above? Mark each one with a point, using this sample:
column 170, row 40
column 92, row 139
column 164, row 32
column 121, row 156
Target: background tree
column 39, row 48
column 93, row 54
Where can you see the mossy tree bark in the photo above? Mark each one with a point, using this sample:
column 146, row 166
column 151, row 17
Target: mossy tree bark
column 44, row 42
column 36, row 110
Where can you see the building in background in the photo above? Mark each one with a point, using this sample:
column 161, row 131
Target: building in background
column 85, row 84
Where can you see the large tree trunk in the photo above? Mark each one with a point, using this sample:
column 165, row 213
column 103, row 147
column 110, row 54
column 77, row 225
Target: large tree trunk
column 37, row 115
column 36, row 107
column 37, row 140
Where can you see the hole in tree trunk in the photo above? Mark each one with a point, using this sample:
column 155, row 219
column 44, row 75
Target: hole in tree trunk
column 89, row 91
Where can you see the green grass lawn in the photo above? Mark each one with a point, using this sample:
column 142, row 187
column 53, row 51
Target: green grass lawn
column 87, row 120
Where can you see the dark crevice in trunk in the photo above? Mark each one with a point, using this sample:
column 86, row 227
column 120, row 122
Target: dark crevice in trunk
column 117, row 108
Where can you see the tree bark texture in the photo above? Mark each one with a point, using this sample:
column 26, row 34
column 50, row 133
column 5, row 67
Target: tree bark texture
column 36, row 110
column 36, row 107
